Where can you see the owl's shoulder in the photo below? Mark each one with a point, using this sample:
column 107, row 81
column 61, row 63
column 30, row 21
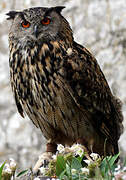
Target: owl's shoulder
column 82, row 68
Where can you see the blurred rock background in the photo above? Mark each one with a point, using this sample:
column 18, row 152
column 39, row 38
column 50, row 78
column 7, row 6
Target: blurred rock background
column 100, row 25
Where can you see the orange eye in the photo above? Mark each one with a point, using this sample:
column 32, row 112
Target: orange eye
column 46, row 21
column 25, row 24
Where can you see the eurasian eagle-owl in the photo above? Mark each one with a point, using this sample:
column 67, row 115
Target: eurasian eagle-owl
column 59, row 84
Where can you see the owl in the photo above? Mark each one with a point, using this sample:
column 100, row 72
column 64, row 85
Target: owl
column 59, row 85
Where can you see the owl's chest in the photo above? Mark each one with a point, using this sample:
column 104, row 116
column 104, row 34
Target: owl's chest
column 35, row 79
column 44, row 96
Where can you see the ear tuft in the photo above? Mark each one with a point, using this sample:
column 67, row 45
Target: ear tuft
column 58, row 9
column 12, row 14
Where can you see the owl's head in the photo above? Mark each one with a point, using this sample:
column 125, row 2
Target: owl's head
column 38, row 24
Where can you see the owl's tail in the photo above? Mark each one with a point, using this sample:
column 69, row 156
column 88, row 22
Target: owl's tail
column 106, row 140
column 118, row 118
column 112, row 147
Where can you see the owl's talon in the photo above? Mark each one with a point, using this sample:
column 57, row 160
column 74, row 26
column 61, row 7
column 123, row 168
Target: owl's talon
column 43, row 161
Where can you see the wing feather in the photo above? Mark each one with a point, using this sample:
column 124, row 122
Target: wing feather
column 18, row 104
column 90, row 90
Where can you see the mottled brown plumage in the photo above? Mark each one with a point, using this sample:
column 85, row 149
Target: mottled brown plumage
column 59, row 84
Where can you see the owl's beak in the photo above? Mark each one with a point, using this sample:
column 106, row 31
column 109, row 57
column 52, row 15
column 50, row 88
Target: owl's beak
column 36, row 33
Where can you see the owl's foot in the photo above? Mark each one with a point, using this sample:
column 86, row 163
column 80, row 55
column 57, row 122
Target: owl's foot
column 43, row 161
column 45, row 158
